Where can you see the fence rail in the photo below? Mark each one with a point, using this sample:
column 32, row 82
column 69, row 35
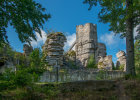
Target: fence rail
column 69, row 75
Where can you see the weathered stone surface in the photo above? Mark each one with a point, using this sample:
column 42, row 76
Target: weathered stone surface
column 53, row 47
column 101, row 49
column 86, row 43
column 105, row 62
column 121, row 59
column 27, row 49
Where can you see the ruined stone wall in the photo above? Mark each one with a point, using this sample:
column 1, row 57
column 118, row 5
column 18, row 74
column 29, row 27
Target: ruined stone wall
column 86, row 43
column 105, row 62
column 53, row 47
column 101, row 50
column 27, row 49
column 69, row 75
column 121, row 60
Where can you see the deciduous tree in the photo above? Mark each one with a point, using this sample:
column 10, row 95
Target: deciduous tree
column 123, row 16
column 26, row 17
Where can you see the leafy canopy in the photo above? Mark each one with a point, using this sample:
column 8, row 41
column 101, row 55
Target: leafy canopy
column 114, row 12
column 26, row 16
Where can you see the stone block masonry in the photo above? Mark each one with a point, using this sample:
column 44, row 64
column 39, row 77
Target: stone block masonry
column 86, row 43
column 27, row 49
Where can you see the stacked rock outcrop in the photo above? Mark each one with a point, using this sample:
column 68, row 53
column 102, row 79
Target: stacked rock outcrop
column 53, row 48
column 121, row 61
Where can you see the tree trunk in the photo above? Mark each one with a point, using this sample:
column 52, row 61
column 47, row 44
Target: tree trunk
column 130, row 65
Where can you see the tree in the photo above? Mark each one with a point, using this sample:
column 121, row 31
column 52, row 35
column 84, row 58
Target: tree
column 123, row 16
column 35, row 58
column 26, row 16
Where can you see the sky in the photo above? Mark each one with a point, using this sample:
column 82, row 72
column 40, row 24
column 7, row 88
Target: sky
column 65, row 15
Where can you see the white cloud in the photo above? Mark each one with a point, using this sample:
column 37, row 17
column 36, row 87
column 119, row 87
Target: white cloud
column 40, row 40
column 113, row 44
column 110, row 39
column 70, row 40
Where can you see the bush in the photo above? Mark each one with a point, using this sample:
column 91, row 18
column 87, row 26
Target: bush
column 6, row 84
column 121, row 67
column 91, row 62
column 22, row 78
column 100, row 75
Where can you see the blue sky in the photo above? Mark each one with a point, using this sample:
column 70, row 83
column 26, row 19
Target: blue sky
column 66, row 14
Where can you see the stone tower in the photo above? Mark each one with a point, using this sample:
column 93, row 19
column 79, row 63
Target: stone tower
column 86, row 43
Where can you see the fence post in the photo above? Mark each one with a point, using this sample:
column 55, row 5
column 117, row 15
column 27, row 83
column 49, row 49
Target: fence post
column 57, row 73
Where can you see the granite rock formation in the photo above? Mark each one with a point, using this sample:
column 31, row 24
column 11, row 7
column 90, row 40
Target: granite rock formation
column 121, row 61
column 27, row 49
column 53, row 48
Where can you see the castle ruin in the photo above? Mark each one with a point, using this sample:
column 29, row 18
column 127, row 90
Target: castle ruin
column 87, row 45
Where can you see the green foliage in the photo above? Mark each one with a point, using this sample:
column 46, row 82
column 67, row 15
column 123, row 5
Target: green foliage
column 114, row 12
column 100, row 75
column 121, row 67
column 114, row 68
column 22, row 78
column 123, row 17
column 137, row 53
column 6, row 49
column 91, row 62
column 18, row 78
column 37, row 61
column 6, row 84
column 37, row 70
column 71, row 53
column 35, row 58
column 51, row 91
column 137, row 58
column 26, row 16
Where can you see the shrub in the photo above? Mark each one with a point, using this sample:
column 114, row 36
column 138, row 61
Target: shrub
column 22, row 78
column 100, row 75
column 121, row 67
column 91, row 62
